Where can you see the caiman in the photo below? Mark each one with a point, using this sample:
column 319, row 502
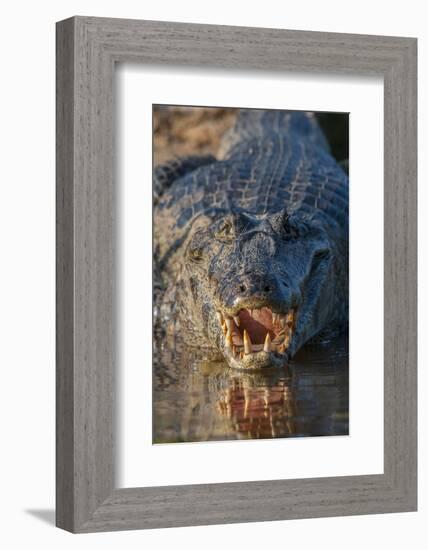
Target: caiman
column 251, row 247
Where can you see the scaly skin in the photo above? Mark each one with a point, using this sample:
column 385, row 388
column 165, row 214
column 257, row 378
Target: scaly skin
column 257, row 238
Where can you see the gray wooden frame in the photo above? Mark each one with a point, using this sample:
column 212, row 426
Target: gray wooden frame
column 87, row 50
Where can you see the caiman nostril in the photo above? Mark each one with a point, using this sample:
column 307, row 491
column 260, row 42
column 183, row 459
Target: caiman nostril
column 254, row 286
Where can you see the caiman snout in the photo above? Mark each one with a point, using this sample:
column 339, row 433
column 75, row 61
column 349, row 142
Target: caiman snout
column 257, row 313
column 255, row 290
column 261, row 288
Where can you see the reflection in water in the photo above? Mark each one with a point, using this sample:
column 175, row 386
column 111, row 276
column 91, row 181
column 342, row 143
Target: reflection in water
column 204, row 401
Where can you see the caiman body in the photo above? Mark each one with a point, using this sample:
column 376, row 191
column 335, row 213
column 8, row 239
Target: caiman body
column 251, row 248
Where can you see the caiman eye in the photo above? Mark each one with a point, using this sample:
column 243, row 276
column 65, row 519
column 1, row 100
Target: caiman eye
column 196, row 254
column 225, row 231
column 290, row 231
column 321, row 254
column 286, row 223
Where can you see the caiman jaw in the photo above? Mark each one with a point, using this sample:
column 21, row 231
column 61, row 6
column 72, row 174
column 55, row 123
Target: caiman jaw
column 255, row 338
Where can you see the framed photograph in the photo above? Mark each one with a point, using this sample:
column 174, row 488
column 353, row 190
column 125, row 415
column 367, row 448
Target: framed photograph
column 236, row 274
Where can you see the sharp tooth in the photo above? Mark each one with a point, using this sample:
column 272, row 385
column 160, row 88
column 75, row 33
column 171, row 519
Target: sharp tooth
column 247, row 343
column 229, row 324
column 290, row 317
column 224, row 327
column 281, row 348
column 237, row 321
column 250, row 311
column 282, row 321
column 274, row 317
column 268, row 343
column 229, row 342
column 219, row 317
column 287, row 340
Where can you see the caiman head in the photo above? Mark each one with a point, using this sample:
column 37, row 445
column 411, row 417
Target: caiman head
column 260, row 285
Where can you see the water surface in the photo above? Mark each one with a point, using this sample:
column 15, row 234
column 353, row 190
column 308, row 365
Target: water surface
column 196, row 400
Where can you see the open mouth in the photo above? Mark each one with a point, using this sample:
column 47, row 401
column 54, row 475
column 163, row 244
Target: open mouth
column 254, row 336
